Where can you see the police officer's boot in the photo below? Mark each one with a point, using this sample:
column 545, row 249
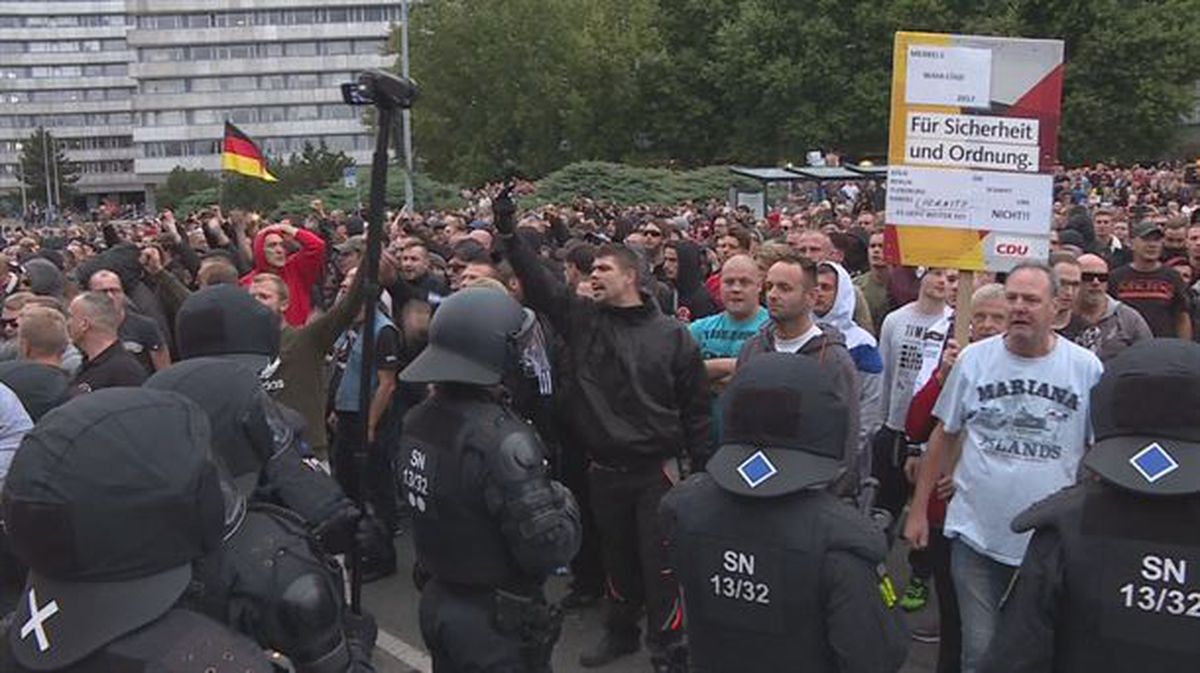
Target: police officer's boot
column 621, row 637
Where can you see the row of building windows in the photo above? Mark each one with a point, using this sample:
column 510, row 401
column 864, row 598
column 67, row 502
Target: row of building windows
column 55, row 71
column 67, row 95
column 52, row 121
column 280, row 82
column 274, row 146
column 85, row 167
column 250, row 115
column 76, row 144
column 110, row 166
column 270, row 17
column 84, row 21
column 62, row 47
column 227, row 52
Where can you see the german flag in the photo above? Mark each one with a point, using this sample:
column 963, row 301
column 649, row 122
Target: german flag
column 240, row 155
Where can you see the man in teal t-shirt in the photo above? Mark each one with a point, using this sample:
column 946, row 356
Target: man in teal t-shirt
column 721, row 336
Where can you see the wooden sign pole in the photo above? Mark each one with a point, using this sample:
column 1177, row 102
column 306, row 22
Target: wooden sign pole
column 962, row 308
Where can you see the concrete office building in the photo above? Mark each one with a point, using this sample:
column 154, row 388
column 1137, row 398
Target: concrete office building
column 134, row 88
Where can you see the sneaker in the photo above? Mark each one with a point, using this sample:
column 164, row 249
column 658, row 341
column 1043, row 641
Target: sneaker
column 928, row 635
column 915, row 595
column 610, row 648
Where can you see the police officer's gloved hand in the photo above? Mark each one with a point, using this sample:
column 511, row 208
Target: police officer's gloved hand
column 504, row 211
column 337, row 532
column 371, row 533
column 562, row 494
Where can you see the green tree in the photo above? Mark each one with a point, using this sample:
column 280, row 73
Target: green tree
column 312, row 168
column 1130, row 76
column 42, row 155
column 529, row 84
column 538, row 84
column 182, row 183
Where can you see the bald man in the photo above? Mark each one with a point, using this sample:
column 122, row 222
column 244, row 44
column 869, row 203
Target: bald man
column 1107, row 325
column 138, row 334
column 721, row 336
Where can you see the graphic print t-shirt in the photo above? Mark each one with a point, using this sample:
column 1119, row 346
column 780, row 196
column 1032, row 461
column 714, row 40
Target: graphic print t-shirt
column 902, row 344
column 1158, row 295
column 1025, row 428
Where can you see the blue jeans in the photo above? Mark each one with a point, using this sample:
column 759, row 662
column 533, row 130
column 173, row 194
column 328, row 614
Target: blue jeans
column 980, row 583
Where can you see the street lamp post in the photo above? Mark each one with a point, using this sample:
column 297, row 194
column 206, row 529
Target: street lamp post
column 46, row 166
column 406, row 113
column 21, row 181
column 57, row 181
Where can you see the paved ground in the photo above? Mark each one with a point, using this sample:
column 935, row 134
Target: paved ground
column 394, row 603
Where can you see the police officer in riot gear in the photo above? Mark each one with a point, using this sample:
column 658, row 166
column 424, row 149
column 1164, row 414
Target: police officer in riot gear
column 778, row 573
column 270, row 579
column 488, row 523
column 110, row 499
column 1111, row 579
column 226, row 322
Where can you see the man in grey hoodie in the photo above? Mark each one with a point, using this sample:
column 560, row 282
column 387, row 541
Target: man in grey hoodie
column 1108, row 326
column 791, row 288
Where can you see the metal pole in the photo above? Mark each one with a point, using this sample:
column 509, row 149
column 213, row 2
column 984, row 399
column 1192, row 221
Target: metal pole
column 371, row 289
column 46, row 165
column 406, row 113
column 57, row 180
column 21, row 181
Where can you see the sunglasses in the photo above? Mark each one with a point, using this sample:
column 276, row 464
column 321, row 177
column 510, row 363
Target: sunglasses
column 1094, row 277
column 8, row 322
column 651, row 232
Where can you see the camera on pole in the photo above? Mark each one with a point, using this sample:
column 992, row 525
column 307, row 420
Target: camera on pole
column 381, row 89
column 388, row 93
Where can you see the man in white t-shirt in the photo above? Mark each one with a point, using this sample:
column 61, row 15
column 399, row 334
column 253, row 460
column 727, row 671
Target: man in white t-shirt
column 902, row 342
column 1019, row 402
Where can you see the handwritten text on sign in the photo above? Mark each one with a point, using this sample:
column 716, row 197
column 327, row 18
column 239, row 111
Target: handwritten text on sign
column 957, row 76
column 1011, row 203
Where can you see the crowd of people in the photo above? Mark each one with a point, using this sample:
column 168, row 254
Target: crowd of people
column 637, row 319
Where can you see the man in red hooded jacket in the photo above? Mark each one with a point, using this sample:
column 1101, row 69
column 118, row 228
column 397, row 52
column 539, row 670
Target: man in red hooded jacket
column 300, row 270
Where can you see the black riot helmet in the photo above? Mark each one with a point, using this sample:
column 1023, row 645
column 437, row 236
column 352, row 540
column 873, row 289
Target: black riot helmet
column 1146, row 418
column 237, row 409
column 109, row 500
column 783, row 428
column 472, row 339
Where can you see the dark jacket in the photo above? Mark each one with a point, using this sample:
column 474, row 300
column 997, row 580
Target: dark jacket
column 830, row 351
column 1098, row 558
column 638, row 391
column 689, row 284
column 111, row 368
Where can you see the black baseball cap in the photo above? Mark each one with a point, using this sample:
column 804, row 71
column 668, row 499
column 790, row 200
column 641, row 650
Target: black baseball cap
column 225, row 321
column 783, row 428
column 1146, row 419
column 233, row 400
column 108, row 501
column 1146, row 228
